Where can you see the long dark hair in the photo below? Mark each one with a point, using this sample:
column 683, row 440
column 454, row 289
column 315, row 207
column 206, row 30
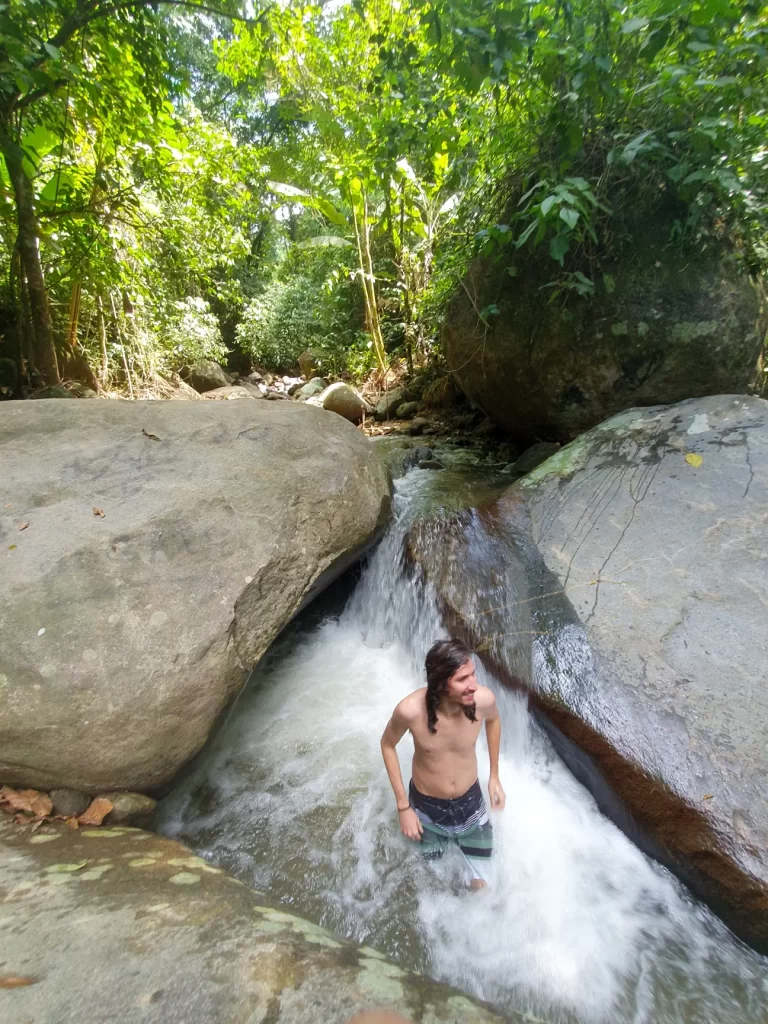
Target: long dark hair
column 443, row 659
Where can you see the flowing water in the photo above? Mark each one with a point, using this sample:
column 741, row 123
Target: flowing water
column 576, row 926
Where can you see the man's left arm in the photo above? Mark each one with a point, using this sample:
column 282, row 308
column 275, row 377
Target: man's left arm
column 493, row 735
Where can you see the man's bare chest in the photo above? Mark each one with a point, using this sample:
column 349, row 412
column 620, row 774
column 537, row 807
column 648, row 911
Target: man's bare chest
column 454, row 737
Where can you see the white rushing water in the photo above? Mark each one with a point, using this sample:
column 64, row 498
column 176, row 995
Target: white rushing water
column 577, row 924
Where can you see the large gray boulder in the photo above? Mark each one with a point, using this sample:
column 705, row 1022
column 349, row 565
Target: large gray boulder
column 670, row 326
column 167, row 544
column 345, row 400
column 172, row 939
column 625, row 581
column 205, row 375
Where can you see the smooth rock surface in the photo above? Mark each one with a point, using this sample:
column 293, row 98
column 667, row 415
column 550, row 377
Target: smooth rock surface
column 672, row 326
column 120, row 925
column 205, row 376
column 344, row 400
column 125, row 636
column 129, row 808
column 232, row 392
column 69, row 801
column 313, row 387
column 625, row 580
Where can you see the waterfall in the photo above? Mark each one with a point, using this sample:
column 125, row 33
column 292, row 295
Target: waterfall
column 577, row 924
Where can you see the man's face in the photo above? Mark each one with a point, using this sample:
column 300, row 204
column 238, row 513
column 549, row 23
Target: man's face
column 462, row 685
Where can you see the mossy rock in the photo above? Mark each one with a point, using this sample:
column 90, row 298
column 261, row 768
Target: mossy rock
column 673, row 326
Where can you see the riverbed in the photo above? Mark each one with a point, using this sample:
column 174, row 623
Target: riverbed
column 577, row 926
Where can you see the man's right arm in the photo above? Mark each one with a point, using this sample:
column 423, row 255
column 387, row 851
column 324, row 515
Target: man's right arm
column 397, row 726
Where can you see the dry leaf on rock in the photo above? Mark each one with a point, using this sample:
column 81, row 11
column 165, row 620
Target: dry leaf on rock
column 23, row 526
column 31, row 801
column 15, row 981
column 98, row 512
column 97, row 812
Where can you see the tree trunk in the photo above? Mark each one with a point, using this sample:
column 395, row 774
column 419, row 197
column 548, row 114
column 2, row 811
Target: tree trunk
column 103, row 342
column 27, row 241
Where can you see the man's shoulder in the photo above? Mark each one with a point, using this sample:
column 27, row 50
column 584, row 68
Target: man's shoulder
column 484, row 699
column 412, row 707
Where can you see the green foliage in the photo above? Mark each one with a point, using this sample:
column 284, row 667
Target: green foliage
column 296, row 314
column 190, row 332
column 330, row 171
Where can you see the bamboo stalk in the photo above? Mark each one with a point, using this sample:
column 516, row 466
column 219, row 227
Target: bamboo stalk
column 103, row 342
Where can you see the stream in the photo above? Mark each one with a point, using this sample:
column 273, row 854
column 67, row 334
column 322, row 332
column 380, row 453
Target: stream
column 577, row 925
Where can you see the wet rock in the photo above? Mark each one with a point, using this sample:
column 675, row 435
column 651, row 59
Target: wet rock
column 69, row 801
column 344, row 400
column 407, row 410
column 431, row 464
column 205, row 376
column 129, row 808
column 534, row 456
column 674, row 325
column 625, row 581
column 232, row 392
column 172, row 939
column 296, row 386
column 126, row 636
column 418, row 426
column 313, row 387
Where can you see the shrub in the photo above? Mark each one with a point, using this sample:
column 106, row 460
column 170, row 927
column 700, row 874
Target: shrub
column 299, row 314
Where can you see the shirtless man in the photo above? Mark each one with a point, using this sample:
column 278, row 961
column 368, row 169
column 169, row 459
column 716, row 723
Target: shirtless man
column 444, row 803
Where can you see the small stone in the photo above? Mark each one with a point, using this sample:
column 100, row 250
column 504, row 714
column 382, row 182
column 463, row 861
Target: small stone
column 135, row 808
column 431, row 464
column 69, row 802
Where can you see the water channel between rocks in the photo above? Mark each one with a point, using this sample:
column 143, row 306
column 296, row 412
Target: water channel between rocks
column 292, row 797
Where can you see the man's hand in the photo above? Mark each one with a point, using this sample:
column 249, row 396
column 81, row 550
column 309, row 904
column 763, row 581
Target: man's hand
column 496, row 793
column 410, row 825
